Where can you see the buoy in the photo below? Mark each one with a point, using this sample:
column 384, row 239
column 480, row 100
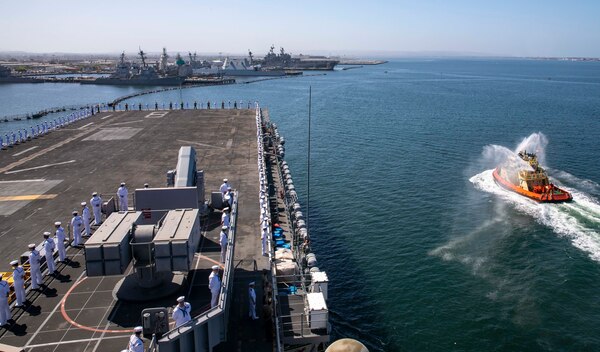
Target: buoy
column 347, row 345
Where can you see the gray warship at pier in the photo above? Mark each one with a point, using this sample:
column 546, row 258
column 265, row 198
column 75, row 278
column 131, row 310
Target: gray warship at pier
column 135, row 264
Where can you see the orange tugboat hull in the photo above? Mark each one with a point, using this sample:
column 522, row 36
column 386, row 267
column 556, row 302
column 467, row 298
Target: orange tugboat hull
column 557, row 196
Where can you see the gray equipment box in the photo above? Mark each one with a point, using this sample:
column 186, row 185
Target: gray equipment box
column 107, row 251
column 176, row 241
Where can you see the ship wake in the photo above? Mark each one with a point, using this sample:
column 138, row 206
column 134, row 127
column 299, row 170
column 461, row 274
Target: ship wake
column 579, row 220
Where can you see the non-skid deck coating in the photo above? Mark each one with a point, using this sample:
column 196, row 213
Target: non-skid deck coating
column 44, row 184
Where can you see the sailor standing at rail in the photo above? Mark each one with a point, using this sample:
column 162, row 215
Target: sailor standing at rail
column 76, row 223
column 5, row 315
column 86, row 217
column 34, row 267
column 214, row 285
column 122, row 194
column 182, row 312
column 18, row 282
column 263, row 237
column 136, row 344
column 224, row 187
column 49, row 249
column 60, row 241
column 223, row 242
column 96, row 203
column 252, row 301
column 225, row 217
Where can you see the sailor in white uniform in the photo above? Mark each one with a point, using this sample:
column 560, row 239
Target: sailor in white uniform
column 136, row 344
column 60, row 241
column 223, row 242
column 18, row 282
column 263, row 237
column 34, row 265
column 87, row 218
column 214, row 285
column 224, row 187
column 252, row 301
column 5, row 315
column 96, row 203
column 122, row 195
column 182, row 312
column 76, row 224
column 225, row 217
column 49, row 249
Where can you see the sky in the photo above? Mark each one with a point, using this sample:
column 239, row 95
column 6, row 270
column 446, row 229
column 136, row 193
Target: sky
column 330, row 27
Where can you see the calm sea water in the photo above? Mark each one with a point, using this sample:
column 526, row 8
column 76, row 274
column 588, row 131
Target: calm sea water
column 423, row 250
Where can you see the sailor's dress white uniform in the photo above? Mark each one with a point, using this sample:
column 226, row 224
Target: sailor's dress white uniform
column 224, row 187
column 135, row 344
column 36, row 273
column 4, row 308
column 223, row 243
column 49, row 249
column 96, row 203
column 76, row 224
column 225, row 218
column 252, row 303
column 214, row 285
column 86, row 217
column 263, row 236
column 122, row 193
column 182, row 315
column 60, row 245
column 18, row 283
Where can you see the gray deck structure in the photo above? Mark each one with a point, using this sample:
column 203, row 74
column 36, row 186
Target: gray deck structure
column 43, row 180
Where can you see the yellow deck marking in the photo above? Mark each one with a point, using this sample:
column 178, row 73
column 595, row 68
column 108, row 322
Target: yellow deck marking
column 27, row 197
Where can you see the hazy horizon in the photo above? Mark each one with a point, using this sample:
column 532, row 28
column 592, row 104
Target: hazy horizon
column 381, row 28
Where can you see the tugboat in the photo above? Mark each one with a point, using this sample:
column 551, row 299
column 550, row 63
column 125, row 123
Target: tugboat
column 532, row 183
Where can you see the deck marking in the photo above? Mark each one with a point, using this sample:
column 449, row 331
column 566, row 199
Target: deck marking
column 25, row 151
column 125, row 123
column 39, row 167
column 19, row 181
column 200, row 144
column 76, row 341
column 156, row 115
column 27, row 197
column 7, row 231
column 229, row 143
column 73, row 322
column 105, row 117
column 84, row 126
column 49, row 316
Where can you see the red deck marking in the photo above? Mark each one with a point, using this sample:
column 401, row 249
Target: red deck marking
column 74, row 323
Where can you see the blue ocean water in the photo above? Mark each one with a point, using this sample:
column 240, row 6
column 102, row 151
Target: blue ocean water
column 423, row 250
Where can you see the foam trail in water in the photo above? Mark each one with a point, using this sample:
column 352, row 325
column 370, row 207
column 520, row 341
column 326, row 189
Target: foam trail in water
column 579, row 221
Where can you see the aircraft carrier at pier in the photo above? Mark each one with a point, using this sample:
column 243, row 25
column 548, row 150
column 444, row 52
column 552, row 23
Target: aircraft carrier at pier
column 43, row 179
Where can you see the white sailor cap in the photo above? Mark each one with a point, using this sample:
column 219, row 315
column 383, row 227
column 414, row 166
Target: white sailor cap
column 58, row 223
column 229, row 188
column 74, row 212
column 138, row 329
column 224, row 228
column 14, row 262
column 94, row 194
column 46, row 233
column 83, row 203
column 31, row 246
column 215, row 267
column 251, row 283
column 226, row 209
column 180, row 299
column 122, row 183
column 225, row 180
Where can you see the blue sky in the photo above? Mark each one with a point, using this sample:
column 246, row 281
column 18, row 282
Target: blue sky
column 512, row 28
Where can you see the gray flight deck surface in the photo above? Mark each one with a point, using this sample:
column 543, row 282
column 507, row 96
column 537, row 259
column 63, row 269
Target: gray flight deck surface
column 45, row 179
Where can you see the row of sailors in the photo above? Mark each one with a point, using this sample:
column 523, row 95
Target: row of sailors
column 170, row 106
column 78, row 223
column 23, row 135
column 265, row 217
